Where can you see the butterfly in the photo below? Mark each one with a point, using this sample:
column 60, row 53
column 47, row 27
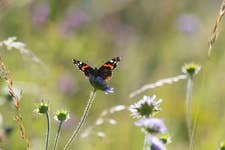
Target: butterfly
column 104, row 72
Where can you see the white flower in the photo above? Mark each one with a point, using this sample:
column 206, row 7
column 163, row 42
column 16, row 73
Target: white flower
column 101, row 134
column 112, row 121
column 99, row 121
column 12, row 43
column 145, row 107
column 117, row 108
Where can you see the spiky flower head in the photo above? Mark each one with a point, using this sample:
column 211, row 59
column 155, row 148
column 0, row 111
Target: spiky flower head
column 191, row 69
column 42, row 108
column 145, row 107
column 62, row 115
column 152, row 125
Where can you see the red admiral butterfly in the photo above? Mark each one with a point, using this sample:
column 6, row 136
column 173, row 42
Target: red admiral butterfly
column 105, row 71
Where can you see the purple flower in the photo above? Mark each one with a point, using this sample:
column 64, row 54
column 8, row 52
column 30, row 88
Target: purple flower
column 145, row 107
column 99, row 84
column 40, row 15
column 152, row 125
column 66, row 84
column 73, row 20
column 157, row 144
column 122, row 34
column 187, row 23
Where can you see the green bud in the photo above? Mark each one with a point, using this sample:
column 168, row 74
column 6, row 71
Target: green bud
column 191, row 69
column 42, row 108
column 61, row 115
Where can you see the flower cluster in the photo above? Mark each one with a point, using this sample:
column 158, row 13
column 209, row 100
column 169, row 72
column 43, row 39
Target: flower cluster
column 144, row 110
column 60, row 116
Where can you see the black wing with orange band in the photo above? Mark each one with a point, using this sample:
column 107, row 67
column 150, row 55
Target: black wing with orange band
column 83, row 67
column 105, row 71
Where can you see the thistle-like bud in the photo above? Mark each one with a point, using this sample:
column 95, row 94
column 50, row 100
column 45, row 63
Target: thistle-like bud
column 62, row 115
column 191, row 69
column 42, row 108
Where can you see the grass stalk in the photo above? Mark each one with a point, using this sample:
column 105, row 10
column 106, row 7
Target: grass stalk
column 16, row 100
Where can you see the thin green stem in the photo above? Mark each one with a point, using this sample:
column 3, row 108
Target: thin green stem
column 83, row 119
column 48, row 131
column 188, row 106
column 147, row 145
column 191, row 146
column 57, row 135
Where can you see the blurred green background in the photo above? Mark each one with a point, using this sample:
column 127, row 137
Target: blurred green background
column 154, row 39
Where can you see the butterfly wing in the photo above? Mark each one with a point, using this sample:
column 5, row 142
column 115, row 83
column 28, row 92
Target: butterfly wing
column 105, row 71
column 83, row 67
